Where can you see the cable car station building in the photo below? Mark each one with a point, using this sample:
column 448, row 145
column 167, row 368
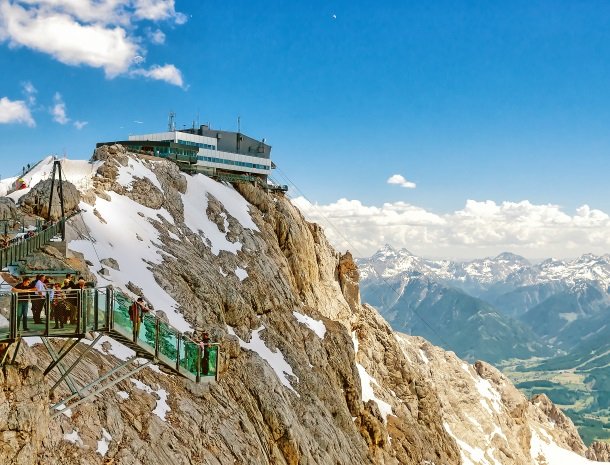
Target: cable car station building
column 219, row 154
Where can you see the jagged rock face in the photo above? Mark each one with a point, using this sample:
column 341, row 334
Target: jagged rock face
column 479, row 401
column 8, row 210
column 354, row 394
column 599, row 451
column 24, row 418
column 37, row 200
column 348, row 279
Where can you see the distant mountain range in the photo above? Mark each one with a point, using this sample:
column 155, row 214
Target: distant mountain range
column 547, row 324
column 493, row 308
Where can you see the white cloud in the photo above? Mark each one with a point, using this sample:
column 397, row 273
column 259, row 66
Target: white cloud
column 95, row 33
column 480, row 228
column 401, row 181
column 157, row 37
column 80, row 124
column 15, row 111
column 156, row 10
column 67, row 40
column 30, row 92
column 167, row 73
column 58, row 110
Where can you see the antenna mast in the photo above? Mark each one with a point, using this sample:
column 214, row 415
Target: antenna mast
column 171, row 122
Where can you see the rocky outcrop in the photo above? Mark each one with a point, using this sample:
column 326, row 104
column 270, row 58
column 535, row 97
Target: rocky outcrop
column 24, row 418
column 8, row 210
column 36, row 201
column 566, row 428
column 599, row 451
column 348, row 280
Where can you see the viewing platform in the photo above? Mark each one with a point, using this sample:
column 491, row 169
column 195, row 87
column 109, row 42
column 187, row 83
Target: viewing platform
column 106, row 311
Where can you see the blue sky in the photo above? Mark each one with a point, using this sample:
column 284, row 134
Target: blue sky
column 468, row 100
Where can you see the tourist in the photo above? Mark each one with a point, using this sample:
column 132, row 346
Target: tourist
column 70, row 298
column 59, row 306
column 38, row 299
column 136, row 311
column 205, row 360
column 24, row 291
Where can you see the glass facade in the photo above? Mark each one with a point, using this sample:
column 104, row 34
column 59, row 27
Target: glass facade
column 197, row 144
column 233, row 162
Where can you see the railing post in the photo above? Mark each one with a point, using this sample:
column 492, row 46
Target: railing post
column 47, row 302
column 79, row 310
column 217, row 362
column 156, row 337
column 13, row 316
column 109, row 308
column 95, row 312
column 178, row 346
column 199, row 356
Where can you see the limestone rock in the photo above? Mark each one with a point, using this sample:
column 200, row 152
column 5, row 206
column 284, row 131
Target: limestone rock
column 36, row 201
column 110, row 262
column 599, row 451
column 8, row 210
column 24, row 419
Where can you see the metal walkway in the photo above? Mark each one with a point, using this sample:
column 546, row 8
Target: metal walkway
column 106, row 311
column 21, row 248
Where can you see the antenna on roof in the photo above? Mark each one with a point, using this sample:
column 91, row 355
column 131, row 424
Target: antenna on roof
column 171, row 122
column 239, row 124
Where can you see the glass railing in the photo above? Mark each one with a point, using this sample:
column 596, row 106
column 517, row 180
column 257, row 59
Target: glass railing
column 73, row 312
column 5, row 316
column 102, row 304
column 156, row 337
column 120, row 321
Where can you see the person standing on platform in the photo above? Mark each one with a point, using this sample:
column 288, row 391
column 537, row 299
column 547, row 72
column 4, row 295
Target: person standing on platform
column 38, row 299
column 59, row 306
column 205, row 349
column 136, row 311
column 24, row 290
column 71, row 299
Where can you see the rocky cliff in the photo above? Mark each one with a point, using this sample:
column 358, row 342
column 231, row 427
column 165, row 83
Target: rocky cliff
column 308, row 374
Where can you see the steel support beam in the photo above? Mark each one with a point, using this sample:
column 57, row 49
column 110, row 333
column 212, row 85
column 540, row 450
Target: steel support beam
column 16, row 351
column 62, row 353
column 68, row 379
column 101, row 389
column 76, row 362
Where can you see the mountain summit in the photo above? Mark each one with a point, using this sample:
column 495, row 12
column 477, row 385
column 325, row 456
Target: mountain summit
column 308, row 374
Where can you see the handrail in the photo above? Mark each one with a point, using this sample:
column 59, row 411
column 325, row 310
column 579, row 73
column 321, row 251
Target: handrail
column 24, row 246
column 106, row 310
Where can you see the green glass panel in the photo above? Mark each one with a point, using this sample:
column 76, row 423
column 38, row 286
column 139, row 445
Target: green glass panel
column 88, row 309
column 209, row 361
column 189, row 353
column 168, row 341
column 120, row 315
column 71, row 302
column 146, row 334
column 102, row 302
column 5, row 324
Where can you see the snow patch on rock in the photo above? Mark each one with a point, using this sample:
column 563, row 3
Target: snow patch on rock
column 275, row 359
column 317, row 326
